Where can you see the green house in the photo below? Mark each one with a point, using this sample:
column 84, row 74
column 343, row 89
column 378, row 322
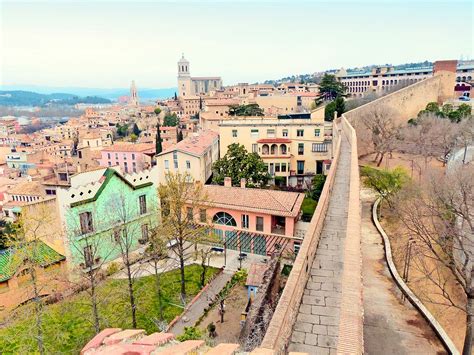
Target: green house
column 105, row 212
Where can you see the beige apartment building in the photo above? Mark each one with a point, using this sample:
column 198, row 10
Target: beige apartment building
column 294, row 149
column 194, row 155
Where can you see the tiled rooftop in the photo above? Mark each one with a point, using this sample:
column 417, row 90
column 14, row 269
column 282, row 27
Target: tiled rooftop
column 279, row 203
column 195, row 144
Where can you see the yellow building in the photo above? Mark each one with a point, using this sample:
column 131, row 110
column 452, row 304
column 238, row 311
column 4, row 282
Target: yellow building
column 294, row 149
column 194, row 155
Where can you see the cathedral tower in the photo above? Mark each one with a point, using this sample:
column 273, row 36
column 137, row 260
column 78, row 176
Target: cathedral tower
column 184, row 77
column 133, row 95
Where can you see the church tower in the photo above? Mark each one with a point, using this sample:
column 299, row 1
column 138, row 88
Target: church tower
column 133, row 95
column 184, row 77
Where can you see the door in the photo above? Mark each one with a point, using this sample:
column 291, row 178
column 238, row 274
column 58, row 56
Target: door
column 319, row 166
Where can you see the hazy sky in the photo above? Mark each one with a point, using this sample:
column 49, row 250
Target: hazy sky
column 107, row 43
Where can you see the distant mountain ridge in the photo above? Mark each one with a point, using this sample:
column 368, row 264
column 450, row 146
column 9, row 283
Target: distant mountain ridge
column 111, row 93
column 30, row 98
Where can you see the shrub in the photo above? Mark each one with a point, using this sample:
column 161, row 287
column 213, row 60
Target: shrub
column 112, row 268
column 385, row 182
column 190, row 333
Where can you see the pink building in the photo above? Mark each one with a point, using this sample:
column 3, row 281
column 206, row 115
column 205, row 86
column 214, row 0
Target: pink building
column 128, row 156
column 252, row 220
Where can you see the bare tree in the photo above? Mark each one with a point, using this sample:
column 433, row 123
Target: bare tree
column 132, row 221
column 91, row 259
column 382, row 130
column 182, row 201
column 27, row 245
column 440, row 219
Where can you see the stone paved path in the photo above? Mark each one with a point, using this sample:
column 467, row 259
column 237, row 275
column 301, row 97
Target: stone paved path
column 391, row 326
column 195, row 311
column 316, row 327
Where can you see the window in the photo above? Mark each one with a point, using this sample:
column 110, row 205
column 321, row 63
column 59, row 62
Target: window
column 296, row 247
column 202, row 215
column 300, row 167
column 108, row 155
column 254, row 148
column 125, row 165
column 317, row 132
column 142, row 200
column 277, row 167
column 259, row 225
column 320, row 147
column 245, row 221
column 188, row 164
column 134, row 167
column 89, row 260
column 144, row 232
column 285, row 133
column 300, row 132
column 133, row 156
column 224, row 219
column 300, row 148
column 189, row 213
column 86, row 222
column 283, row 167
column 167, row 164
column 254, row 133
column 234, row 133
column 270, row 133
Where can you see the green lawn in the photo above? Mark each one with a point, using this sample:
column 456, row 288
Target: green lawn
column 308, row 207
column 68, row 324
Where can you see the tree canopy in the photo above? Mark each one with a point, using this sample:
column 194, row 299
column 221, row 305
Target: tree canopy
column 237, row 163
column 170, row 120
column 330, row 87
column 245, row 110
column 386, row 183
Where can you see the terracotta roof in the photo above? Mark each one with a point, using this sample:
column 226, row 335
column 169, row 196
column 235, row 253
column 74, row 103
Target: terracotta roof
column 27, row 188
column 279, row 203
column 274, row 140
column 129, row 147
column 194, row 144
column 255, row 274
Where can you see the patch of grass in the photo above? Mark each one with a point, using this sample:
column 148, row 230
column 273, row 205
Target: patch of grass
column 68, row 324
column 308, row 206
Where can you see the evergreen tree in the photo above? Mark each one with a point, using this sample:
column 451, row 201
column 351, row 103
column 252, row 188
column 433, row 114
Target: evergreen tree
column 175, row 97
column 339, row 105
column 136, row 130
column 179, row 137
column 330, row 87
column 158, row 145
column 329, row 111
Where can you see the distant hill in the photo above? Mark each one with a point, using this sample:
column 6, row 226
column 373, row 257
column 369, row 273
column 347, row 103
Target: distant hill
column 30, row 98
column 112, row 93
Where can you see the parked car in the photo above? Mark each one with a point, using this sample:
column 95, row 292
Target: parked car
column 464, row 98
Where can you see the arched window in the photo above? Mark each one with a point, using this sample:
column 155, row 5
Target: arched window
column 265, row 149
column 224, row 219
column 274, row 149
column 283, row 149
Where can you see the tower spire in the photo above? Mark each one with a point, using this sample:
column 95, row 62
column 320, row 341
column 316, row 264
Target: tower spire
column 133, row 94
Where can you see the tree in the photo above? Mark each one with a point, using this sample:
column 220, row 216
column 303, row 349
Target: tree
column 465, row 110
column 383, row 131
column 245, row 110
column 157, row 252
column 329, row 110
column 170, row 120
column 124, row 212
column 339, row 106
column 133, row 138
column 330, row 87
column 136, row 130
column 158, row 143
column 432, row 107
column 175, row 97
column 237, row 164
column 317, row 186
column 438, row 217
column 122, row 131
column 32, row 229
column 386, row 183
column 181, row 204
column 7, row 233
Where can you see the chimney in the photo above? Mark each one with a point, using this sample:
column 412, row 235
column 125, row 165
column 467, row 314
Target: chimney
column 243, row 183
column 227, row 182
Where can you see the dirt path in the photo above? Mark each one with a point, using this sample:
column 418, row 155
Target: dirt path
column 390, row 325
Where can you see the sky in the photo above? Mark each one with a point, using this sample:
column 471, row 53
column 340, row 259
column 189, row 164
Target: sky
column 107, row 44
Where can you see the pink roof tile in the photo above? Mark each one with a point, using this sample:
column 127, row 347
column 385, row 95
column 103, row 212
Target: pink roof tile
column 279, row 203
column 195, row 144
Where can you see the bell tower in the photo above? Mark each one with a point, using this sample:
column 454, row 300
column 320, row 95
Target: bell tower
column 184, row 77
column 133, row 94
